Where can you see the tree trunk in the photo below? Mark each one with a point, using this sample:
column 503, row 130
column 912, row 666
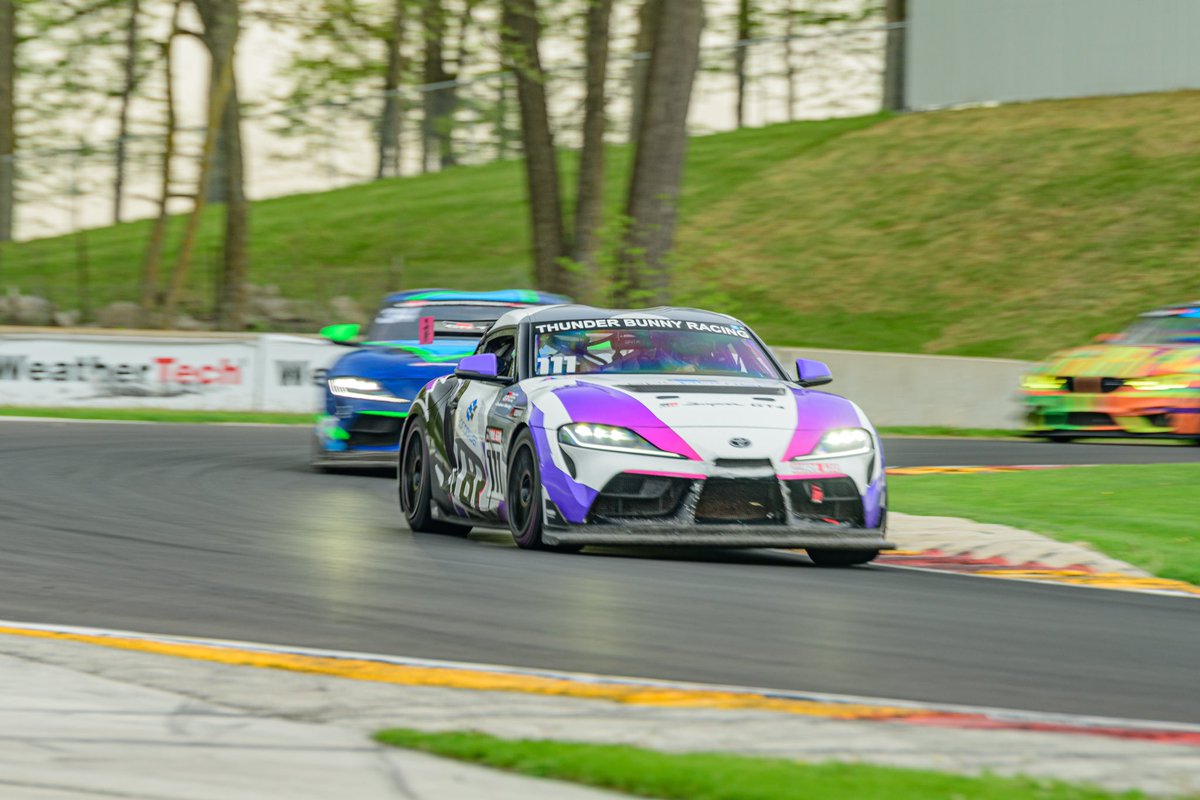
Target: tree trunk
column 8, row 131
column 232, row 293
column 658, row 161
column 647, row 17
column 153, row 259
column 439, row 96
column 896, row 15
column 589, row 199
column 389, row 123
column 222, row 134
column 789, row 64
column 521, row 32
column 739, row 58
column 127, row 89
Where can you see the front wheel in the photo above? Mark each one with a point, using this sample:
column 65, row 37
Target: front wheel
column 832, row 557
column 524, row 496
column 413, row 476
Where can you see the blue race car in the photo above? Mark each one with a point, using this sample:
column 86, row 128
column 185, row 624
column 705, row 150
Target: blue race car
column 416, row 336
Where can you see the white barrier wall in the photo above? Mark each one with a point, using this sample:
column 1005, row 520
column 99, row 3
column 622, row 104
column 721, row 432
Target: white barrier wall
column 268, row 372
column 272, row 372
column 904, row 389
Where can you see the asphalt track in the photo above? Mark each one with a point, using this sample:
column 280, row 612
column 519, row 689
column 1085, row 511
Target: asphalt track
column 224, row 532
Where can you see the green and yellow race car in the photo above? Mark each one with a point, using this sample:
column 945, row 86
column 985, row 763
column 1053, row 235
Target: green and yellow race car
column 1142, row 382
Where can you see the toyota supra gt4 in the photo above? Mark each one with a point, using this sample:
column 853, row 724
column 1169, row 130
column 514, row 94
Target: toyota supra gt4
column 576, row 426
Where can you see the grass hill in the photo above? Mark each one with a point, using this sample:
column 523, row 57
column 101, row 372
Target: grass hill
column 1001, row 232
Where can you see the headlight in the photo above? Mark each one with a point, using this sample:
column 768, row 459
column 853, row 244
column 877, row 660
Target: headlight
column 1043, row 383
column 842, row 442
column 362, row 389
column 608, row 437
column 1162, row 383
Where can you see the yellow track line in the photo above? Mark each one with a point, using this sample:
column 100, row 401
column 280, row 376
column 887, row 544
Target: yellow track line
column 1104, row 580
column 486, row 680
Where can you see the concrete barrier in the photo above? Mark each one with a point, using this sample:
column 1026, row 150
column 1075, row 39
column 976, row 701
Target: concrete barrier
column 905, row 389
column 274, row 372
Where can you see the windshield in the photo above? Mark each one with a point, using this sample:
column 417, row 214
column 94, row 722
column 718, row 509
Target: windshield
column 1163, row 330
column 424, row 322
column 706, row 349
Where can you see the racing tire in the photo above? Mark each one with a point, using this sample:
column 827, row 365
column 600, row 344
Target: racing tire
column 524, row 496
column 836, row 557
column 1059, row 438
column 413, row 479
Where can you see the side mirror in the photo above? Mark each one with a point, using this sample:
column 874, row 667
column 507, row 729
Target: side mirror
column 345, row 334
column 481, row 367
column 1106, row 338
column 812, row 373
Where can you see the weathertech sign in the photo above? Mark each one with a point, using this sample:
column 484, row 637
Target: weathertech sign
column 92, row 369
column 271, row 373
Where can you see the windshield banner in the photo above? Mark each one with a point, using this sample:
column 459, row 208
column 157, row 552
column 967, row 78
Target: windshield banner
column 643, row 323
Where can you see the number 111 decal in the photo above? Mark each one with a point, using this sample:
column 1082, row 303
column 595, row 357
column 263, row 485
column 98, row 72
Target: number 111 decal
column 555, row 365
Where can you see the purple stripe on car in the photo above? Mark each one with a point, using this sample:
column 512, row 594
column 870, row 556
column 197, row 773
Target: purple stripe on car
column 816, row 413
column 601, row 405
column 573, row 499
column 873, row 504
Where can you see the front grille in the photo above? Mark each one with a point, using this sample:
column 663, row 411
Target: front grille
column 646, row 496
column 827, row 499
column 1091, row 385
column 725, row 500
column 743, row 462
column 375, row 430
column 1089, row 419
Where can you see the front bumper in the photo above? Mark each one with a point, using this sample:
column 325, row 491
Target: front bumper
column 1115, row 414
column 814, row 510
column 720, row 536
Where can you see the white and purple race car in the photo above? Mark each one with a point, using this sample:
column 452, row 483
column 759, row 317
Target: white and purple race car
column 576, row 426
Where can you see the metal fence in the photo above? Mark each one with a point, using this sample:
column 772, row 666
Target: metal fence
column 817, row 73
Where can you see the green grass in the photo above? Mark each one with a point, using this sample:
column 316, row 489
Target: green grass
column 1144, row 515
column 941, row 430
column 1004, row 231
column 158, row 415
column 715, row 776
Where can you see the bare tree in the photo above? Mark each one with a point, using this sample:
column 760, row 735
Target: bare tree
column 440, row 93
column 390, row 122
column 128, row 87
column 647, row 18
column 744, row 31
column 661, row 146
column 521, row 32
column 8, row 129
column 896, row 14
column 222, row 25
column 218, row 94
column 589, row 200
column 151, row 263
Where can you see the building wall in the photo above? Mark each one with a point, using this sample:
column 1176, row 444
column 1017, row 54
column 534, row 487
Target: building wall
column 984, row 51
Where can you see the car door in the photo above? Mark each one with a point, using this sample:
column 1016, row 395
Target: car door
column 479, row 474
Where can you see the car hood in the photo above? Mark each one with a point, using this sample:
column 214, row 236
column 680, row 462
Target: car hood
column 648, row 401
column 1121, row 361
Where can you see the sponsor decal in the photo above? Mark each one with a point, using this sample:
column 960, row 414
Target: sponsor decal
column 425, row 330
column 494, row 435
column 163, row 376
column 298, row 373
column 471, row 409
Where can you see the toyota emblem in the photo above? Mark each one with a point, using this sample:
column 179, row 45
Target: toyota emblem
column 738, row 441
